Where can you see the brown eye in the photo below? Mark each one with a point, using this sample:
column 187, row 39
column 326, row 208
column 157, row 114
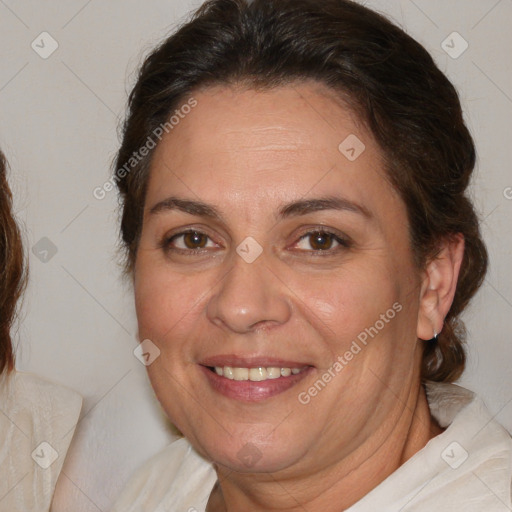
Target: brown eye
column 190, row 241
column 320, row 241
column 195, row 240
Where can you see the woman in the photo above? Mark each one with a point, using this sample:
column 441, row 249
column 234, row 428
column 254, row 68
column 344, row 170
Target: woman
column 37, row 417
column 302, row 247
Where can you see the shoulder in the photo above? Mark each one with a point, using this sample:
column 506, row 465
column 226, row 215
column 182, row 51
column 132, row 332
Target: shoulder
column 465, row 416
column 466, row 468
column 36, row 426
column 476, row 448
column 177, row 478
column 32, row 398
column 29, row 400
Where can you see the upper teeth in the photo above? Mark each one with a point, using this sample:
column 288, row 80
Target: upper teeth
column 255, row 374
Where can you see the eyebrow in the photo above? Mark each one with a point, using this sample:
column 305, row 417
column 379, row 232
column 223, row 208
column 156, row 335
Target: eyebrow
column 197, row 208
column 294, row 209
column 305, row 206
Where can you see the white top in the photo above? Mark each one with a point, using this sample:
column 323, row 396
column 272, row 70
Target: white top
column 37, row 421
column 467, row 468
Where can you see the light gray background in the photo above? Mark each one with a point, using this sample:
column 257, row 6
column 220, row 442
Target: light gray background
column 59, row 119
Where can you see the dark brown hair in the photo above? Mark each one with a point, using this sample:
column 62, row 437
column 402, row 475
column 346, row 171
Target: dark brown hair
column 390, row 81
column 12, row 274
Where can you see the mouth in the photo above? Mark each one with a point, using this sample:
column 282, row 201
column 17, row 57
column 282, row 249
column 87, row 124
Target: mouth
column 258, row 374
column 252, row 380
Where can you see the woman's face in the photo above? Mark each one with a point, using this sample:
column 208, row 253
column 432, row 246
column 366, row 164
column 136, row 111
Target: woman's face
column 272, row 239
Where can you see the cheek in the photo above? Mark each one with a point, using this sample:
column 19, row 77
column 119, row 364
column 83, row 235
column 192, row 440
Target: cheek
column 347, row 302
column 164, row 300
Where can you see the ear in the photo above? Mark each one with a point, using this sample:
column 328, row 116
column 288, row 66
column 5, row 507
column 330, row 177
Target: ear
column 438, row 287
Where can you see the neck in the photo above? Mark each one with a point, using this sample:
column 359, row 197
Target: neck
column 338, row 486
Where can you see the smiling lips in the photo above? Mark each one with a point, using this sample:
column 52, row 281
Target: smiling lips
column 252, row 379
column 255, row 374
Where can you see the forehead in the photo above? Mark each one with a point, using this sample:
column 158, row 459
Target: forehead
column 292, row 117
column 263, row 145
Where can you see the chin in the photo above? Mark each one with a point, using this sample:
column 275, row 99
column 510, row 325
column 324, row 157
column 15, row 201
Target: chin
column 255, row 448
column 251, row 457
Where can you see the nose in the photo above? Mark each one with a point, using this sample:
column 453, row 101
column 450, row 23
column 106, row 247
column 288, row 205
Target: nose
column 249, row 297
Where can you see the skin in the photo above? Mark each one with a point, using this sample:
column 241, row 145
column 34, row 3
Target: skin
column 248, row 154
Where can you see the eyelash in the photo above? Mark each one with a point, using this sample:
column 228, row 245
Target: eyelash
column 166, row 244
column 344, row 243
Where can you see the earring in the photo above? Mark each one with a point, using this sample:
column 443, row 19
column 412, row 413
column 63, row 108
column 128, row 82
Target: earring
column 435, row 338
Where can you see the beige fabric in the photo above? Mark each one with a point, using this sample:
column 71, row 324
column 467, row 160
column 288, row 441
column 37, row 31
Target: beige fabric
column 37, row 421
column 467, row 468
